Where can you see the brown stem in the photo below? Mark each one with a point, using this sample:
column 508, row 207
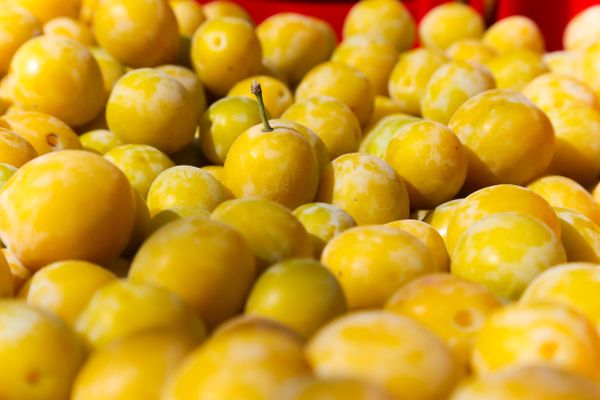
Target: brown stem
column 257, row 91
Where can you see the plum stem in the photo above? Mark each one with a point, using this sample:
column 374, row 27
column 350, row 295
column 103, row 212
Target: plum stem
column 257, row 91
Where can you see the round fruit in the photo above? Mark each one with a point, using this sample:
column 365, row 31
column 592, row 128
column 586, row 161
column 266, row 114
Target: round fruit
column 14, row 150
column 277, row 95
column 471, row 50
column 342, row 82
column 293, row 44
column 505, row 252
column 223, row 122
column 554, row 90
column 366, row 187
column 526, row 383
column 138, row 33
column 568, row 63
column 189, row 16
column 110, row 68
column 207, row 263
column 512, row 144
column 430, row 238
column 384, row 107
column 17, row 25
column 150, row 107
column 225, row 51
column 580, row 236
column 453, row 308
column 323, row 222
column 564, row 192
column 430, row 159
column 582, row 31
column 167, row 215
column 410, row 77
column 449, row 23
column 7, row 284
column 271, row 230
column 440, row 217
column 374, row 56
column 389, row 20
column 140, row 163
column 6, row 171
column 60, row 77
column 281, row 292
column 450, row 86
column 411, row 361
column 38, row 203
column 546, row 334
column 394, row 258
column 516, row 69
column 514, row 33
column 122, row 308
column 133, row 368
column 64, row 288
column 331, row 119
column 223, row 8
column 45, row 10
column 224, row 368
column 333, row 389
column 70, row 28
column 99, row 141
column 190, row 81
column 498, row 199
column 378, row 138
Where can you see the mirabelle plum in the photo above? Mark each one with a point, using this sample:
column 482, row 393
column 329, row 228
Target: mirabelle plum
column 382, row 18
column 505, row 252
column 411, row 361
column 440, row 217
column 377, row 140
column 513, row 144
column 591, row 67
column 99, row 141
column 449, row 23
column 580, row 236
column 546, row 334
column 471, row 50
column 70, row 28
column 110, row 68
column 17, row 25
column 567, row 63
column 516, row 69
column 6, row 171
column 582, row 31
column 190, row 81
column 45, row 10
column 366, row 187
column 384, row 107
column 333, row 389
column 277, row 95
column 553, row 90
column 223, row 8
column 514, row 33
column 14, row 149
column 189, row 15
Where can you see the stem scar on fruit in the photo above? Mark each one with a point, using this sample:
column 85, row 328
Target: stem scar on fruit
column 257, row 91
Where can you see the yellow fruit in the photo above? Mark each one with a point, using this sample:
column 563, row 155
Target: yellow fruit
column 277, row 95
column 394, row 258
column 99, row 141
column 526, row 383
column 277, row 164
column 384, row 107
column 430, row 238
column 507, row 138
column 14, row 149
column 470, row 50
column 440, row 217
column 293, row 44
column 223, row 122
column 6, row 171
column 271, row 230
column 60, row 77
column 331, row 119
column 138, row 33
column 223, row 8
column 281, row 294
column 40, row 354
column 168, row 215
column 7, row 284
column 133, row 368
column 150, row 107
column 19, row 273
column 374, row 56
column 498, row 199
column 186, row 186
column 378, row 138
column 366, row 187
column 189, row 16
column 410, row 77
column 250, row 358
column 333, row 389
column 190, row 81
column 123, row 308
column 225, row 51
column 70, row 28
column 590, row 68
column 450, row 86
column 505, row 252
column 574, row 285
column 208, row 264
column 217, row 171
column 453, row 308
column 389, row 20
column 430, row 159
column 411, row 361
column 45, row 10
column 140, row 163
column 583, row 30
column 323, row 222
column 545, row 334
column 448, row 23
column 516, row 69
column 110, row 68
column 569, row 63
column 45, row 132
column 514, row 33
column 141, row 226
column 37, row 205
column 554, row 90
column 17, row 25
column 342, row 82
column 64, row 288
column 580, row 236
column 564, row 192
